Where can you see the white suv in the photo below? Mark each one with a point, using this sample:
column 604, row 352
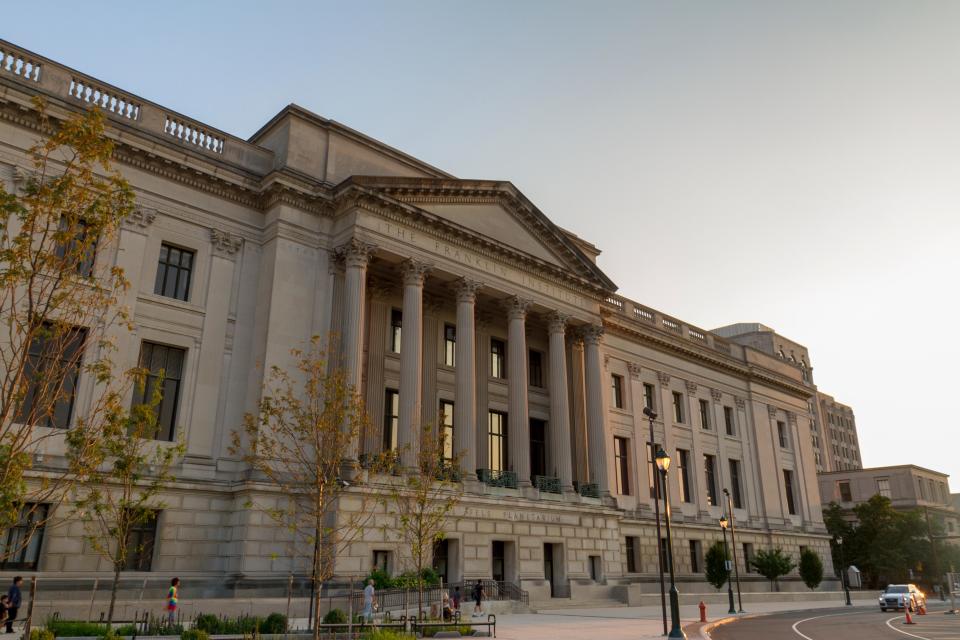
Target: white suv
column 902, row 596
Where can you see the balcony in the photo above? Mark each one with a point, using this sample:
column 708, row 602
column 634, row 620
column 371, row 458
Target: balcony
column 497, row 478
column 547, row 484
column 587, row 489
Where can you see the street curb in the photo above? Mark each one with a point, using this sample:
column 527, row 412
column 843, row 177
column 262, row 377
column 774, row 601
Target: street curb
column 703, row 629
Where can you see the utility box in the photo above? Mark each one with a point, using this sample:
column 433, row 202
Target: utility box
column 853, row 577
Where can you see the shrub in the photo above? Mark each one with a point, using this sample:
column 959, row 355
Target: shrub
column 381, row 579
column 716, row 565
column 207, row 622
column 70, row 628
column 274, row 623
column 41, row 634
column 771, row 564
column 194, row 634
column 335, row 616
column 811, row 569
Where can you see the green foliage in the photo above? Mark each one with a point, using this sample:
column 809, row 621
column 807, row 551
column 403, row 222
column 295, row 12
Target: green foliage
column 194, row 634
column 387, row 634
column 156, row 626
column 243, row 625
column 381, row 579
column 207, row 622
column 71, row 628
column 811, row 568
column 335, row 616
column 715, row 567
column 772, row 563
column 274, row 623
column 41, row 634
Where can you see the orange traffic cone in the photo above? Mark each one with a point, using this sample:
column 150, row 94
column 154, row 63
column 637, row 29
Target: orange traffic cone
column 923, row 609
column 909, row 620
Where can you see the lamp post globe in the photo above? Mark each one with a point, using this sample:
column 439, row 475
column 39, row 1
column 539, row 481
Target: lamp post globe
column 676, row 631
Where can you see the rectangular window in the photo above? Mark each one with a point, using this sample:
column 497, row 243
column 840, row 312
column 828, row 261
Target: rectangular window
column 78, row 248
column 788, row 487
column 710, row 475
column 140, row 543
column 728, row 420
column 652, row 472
column 748, row 557
column 446, row 419
column 396, row 326
column 695, row 560
column 536, row 369
column 616, row 388
column 381, row 560
column 844, row 487
column 174, row 272
column 391, row 419
column 735, row 494
column 51, row 371
column 648, row 394
column 159, row 360
column 632, row 548
column 704, row 414
column 21, row 548
column 678, row 407
column 621, row 449
column 498, row 355
column 683, row 474
column 782, row 435
column 449, row 345
column 497, row 440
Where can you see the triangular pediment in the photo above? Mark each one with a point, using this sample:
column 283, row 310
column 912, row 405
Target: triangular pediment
column 496, row 212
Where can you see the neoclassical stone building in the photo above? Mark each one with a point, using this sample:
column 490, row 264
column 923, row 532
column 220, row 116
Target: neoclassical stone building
column 457, row 303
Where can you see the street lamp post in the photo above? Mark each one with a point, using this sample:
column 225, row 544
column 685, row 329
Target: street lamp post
column 651, row 416
column 676, row 631
column 724, row 523
column 733, row 544
column 843, row 571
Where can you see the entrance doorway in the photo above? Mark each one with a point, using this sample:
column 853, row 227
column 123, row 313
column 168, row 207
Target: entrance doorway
column 499, row 567
column 548, row 567
column 441, row 559
column 538, row 448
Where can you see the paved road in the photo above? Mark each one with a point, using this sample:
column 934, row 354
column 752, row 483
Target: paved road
column 842, row 624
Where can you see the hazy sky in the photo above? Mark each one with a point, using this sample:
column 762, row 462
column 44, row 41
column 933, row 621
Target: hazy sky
column 796, row 164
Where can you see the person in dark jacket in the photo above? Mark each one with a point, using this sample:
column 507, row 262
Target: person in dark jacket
column 15, row 597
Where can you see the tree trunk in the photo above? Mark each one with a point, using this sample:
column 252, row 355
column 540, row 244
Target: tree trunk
column 113, row 592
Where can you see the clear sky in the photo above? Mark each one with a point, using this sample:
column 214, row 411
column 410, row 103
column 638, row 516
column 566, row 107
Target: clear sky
column 796, row 164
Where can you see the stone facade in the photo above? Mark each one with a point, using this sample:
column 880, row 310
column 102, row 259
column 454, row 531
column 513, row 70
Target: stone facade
column 310, row 228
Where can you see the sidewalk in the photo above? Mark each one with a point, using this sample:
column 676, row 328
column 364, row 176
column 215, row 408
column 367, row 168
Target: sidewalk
column 623, row 623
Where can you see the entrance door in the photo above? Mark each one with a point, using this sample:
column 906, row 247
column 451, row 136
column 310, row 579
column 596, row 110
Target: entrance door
column 441, row 554
column 548, row 566
column 538, row 448
column 499, row 561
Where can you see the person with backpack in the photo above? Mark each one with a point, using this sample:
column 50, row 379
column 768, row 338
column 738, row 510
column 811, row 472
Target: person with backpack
column 478, row 598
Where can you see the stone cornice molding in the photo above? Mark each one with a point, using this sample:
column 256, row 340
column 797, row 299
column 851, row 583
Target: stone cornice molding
column 225, row 244
column 634, row 370
column 140, row 218
column 466, row 290
column 356, row 252
column 691, row 387
column 414, row 271
column 517, row 307
column 591, row 334
column 664, row 378
column 716, row 394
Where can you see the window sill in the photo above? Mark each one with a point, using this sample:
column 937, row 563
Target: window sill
column 171, row 302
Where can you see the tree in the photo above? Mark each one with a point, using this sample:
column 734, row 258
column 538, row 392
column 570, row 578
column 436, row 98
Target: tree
column 771, row 564
column 301, row 439
column 122, row 492
column 421, row 502
column 716, row 565
column 60, row 310
column 811, row 568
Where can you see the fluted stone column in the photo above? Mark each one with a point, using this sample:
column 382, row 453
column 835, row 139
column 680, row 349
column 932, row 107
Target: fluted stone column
column 518, row 427
column 356, row 255
column 559, row 403
column 483, row 391
column 411, row 361
column 578, row 413
column 376, row 353
column 596, row 431
column 465, row 407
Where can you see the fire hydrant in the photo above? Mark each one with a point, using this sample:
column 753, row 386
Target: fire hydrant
column 703, row 611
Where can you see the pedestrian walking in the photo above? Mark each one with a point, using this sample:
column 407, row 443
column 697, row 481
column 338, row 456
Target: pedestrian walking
column 369, row 600
column 173, row 599
column 14, row 598
column 456, row 599
column 478, row 595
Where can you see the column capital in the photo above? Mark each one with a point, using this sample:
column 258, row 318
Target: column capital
column 772, row 411
column 414, row 271
column 741, row 403
column 691, row 387
column 466, row 290
column 140, row 218
column 517, row 307
column 591, row 334
column 558, row 322
column 356, row 252
column 716, row 394
column 225, row 244
column 664, row 378
column 634, row 369
column 792, row 418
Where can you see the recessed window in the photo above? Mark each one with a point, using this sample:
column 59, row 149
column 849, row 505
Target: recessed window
column 396, row 326
column 446, row 419
column 683, row 474
column 449, row 345
column 735, row 494
column 710, row 475
column 497, row 440
column 174, row 272
column 21, row 548
column 161, row 360
column 77, row 250
column 782, row 435
column 391, row 419
column 51, row 371
column 788, row 488
column 633, row 549
column 616, row 384
column 704, row 414
column 696, row 563
column 678, row 407
column 748, row 557
column 498, row 355
column 728, row 420
column 883, row 487
column 381, row 560
column 648, row 395
column 621, row 449
column 140, row 541
column 536, row 369
column 652, row 471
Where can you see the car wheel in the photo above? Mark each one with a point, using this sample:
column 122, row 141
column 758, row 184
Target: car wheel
column 884, row 609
